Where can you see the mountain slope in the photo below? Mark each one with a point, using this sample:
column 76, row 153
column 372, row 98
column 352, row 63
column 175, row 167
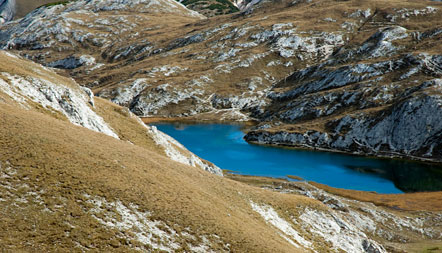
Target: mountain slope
column 34, row 87
column 65, row 186
column 309, row 70
column 82, row 189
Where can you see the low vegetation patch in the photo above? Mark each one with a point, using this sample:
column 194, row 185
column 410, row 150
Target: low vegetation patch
column 218, row 6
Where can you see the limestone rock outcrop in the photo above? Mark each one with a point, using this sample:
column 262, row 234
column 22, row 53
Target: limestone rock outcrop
column 7, row 10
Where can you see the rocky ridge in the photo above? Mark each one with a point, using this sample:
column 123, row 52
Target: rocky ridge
column 387, row 107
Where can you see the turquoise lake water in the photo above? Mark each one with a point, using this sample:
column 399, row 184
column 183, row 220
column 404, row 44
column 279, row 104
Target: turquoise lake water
column 224, row 146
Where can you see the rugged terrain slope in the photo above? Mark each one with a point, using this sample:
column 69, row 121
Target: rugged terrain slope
column 80, row 173
column 352, row 76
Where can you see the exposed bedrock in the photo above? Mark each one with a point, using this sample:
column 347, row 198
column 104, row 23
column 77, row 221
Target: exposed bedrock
column 7, row 10
column 410, row 127
column 386, row 107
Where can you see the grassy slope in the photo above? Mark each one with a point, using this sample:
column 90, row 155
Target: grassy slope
column 125, row 125
column 419, row 201
column 66, row 161
column 43, row 204
column 429, row 201
column 403, row 204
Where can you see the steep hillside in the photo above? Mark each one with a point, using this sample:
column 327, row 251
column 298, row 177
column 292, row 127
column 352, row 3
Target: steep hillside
column 322, row 74
column 33, row 87
column 79, row 173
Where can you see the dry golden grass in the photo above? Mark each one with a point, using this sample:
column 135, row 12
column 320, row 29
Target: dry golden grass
column 64, row 162
column 427, row 247
column 295, row 177
column 255, row 180
column 125, row 124
column 421, row 201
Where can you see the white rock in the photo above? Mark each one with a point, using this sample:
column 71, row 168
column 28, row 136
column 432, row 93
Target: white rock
column 179, row 153
column 70, row 102
column 288, row 232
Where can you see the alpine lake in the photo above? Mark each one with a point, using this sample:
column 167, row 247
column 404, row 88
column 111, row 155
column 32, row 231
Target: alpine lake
column 223, row 145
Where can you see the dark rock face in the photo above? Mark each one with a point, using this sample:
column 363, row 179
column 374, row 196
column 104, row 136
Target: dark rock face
column 398, row 118
column 380, row 107
column 409, row 128
column 7, row 10
column 67, row 63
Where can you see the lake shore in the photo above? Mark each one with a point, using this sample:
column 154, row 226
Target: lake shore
column 247, row 125
column 311, row 164
column 418, row 201
column 195, row 120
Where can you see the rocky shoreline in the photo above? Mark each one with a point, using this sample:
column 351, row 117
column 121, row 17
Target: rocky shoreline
column 308, row 140
column 284, row 139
